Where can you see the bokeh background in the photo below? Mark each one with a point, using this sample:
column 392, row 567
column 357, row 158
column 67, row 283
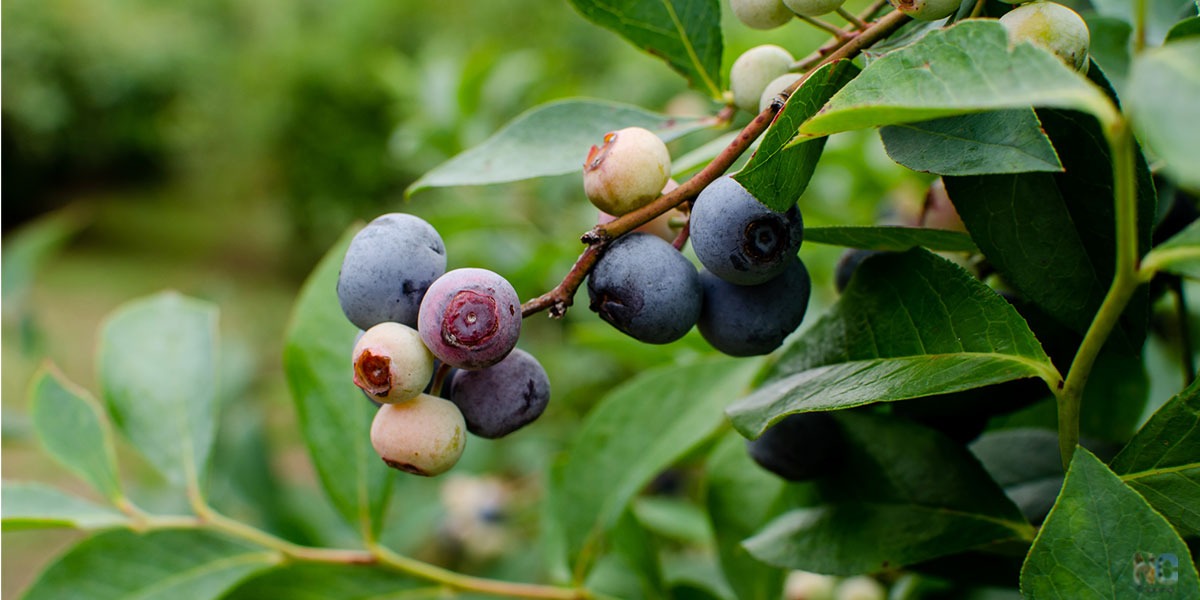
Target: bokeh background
column 220, row 147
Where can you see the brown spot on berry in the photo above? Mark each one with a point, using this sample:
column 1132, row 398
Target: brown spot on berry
column 406, row 467
column 373, row 373
column 470, row 320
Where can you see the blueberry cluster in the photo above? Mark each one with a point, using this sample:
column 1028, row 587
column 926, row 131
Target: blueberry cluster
column 438, row 349
column 753, row 290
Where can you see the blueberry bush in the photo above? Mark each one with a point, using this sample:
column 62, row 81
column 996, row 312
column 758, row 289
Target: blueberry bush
column 968, row 419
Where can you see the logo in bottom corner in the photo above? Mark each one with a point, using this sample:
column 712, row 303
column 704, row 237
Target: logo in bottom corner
column 1152, row 572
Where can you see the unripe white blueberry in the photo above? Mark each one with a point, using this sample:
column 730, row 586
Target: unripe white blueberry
column 813, row 8
column 927, row 10
column 424, row 436
column 860, row 588
column 753, row 70
column 665, row 226
column 761, row 14
column 1053, row 27
column 802, row 585
column 391, row 363
column 773, row 89
column 627, row 171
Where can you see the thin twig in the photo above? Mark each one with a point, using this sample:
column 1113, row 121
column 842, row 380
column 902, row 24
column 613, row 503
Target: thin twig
column 837, row 32
column 852, row 18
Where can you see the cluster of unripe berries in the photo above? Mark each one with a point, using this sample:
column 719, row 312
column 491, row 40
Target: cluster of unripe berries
column 753, row 290
column 438, row 349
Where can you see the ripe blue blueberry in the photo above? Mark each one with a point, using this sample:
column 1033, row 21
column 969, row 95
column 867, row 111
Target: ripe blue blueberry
column 740, row 239
column 644, row 287
column 502, row 398
column 751, row 320
column 387, row 268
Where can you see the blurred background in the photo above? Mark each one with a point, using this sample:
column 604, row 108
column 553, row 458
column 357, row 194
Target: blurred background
column 220, row 147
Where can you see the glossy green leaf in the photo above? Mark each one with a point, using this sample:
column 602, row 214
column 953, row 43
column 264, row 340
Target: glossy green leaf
column 890, row 238
column 968, row 67
column 1027, row 464
column 28, row 505
column 903, row 494
column 1110, row 48
column 637, row 430
column 1184, row 29
column 779, row 171
column 741, row 497
column 1161, row 101
column 551, row 139
column 685, row 33
column 1094, row 538
column 312, row 581
column 163, row 564
column 1179, row 255
column 1005, row 141
column 908, row 325
column 73, row 428
column 1052, row 235
column 158, row 371
column 1162, row 462
column 335, row 418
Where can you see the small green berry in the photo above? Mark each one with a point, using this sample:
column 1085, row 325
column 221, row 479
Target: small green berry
column 813, row 8
column 627, row 172
column 773, row 89
column 424, row 436
column 761, row 14
column 391, row 363
column 927, row 10
column 753, row 70
column 1051, row 26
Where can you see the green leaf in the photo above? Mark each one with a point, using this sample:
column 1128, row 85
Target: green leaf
column 551, row 139
column 1179, row 255
column 1184, row 29
column 28, row 505
column 685, row 33
column 908, row 325
column 672, row 518
column 637, row 430
column 1161, row 15
column 904, row 494
column 968, row 67
column 1110, row 48
column 1052, row 235
column 1162, row 461
column 164, row 564
column 891, row 238
column 74, row 430
column 779, row 171
column 1161, row 101
column 1006, row 141
column 1094, row 537
column 741, row 497
column 335, row 418
column 27, row 248
column 1027, row 464
column 311, row 581
column 158, row 371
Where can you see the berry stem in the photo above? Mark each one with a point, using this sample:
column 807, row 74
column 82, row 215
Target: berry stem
column 836, row 31
column 852, row 18
column 559, row 299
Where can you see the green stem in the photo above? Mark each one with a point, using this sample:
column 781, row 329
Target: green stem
column 1139, row 25
column 1125, row 281
column 469, row 583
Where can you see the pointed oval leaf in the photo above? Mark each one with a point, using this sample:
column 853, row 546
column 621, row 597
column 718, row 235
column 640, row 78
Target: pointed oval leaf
column 187, row 564
column 636, row 431
column 551, row 139
column 908, row 325
column 28, row 505
column 1179, row 255
column 335, row 418
column 685, row 33
column 313, row 581
column 1004, row 141
column 158, row 371
column 741, row 497
column 73, row 428
column 968, row 67
column 779, row 171
column 890, row 238
column 902, row 494
column 1100, row 540
column 1162, row 461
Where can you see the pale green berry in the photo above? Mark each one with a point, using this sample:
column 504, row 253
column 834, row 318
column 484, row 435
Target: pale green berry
column 927, row 10
column 1051, row 26
column 753, row 70
column 761, row 14
column 424, row 436
column 391, row 363
column 627, row 172
column 773, row 89
column 813, row 8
